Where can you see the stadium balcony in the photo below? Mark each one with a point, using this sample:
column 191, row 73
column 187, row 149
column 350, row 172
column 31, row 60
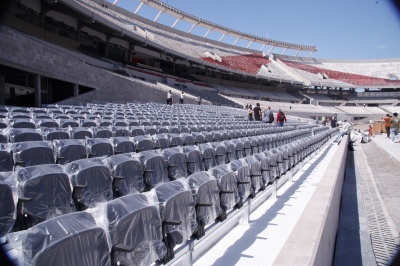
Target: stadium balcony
column 345, row 76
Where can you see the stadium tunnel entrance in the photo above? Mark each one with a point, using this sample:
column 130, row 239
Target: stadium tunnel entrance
column 21, row 88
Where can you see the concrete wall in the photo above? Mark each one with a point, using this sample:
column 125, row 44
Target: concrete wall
column 23, row 52
column 312, row 241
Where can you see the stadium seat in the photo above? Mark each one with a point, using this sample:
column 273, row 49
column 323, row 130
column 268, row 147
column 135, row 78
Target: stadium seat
column 177, row 212
column 99, row 147
column 176, row 161
column 8, row 193
column 69, row 150
column 81, row 133
column 6, row 158
column 227, row 186
column 207, row 202
column 44, row 192
column 194, row 159
column 67, row 240
column 33, row 153
column 55, row 133
column 102, row 132
column 25, row 135
column 143, row 143
column 208, row 155
column 91, row 182
column 161, row 141
column 155, row 168
column 244, row 182
column 127, row 174
column 134, row 227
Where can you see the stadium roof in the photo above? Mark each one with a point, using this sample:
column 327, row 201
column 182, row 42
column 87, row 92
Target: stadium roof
column 210, row 26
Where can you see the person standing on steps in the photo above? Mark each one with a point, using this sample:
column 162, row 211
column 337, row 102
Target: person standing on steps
column 169, row 97
column 182, row 97
column 394, row 128
column 257, row 112
column 387, row 125
column 268, row 115
column 250, row 112
column 280, row 118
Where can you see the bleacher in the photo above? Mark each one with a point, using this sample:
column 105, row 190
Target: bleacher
column 147, row 177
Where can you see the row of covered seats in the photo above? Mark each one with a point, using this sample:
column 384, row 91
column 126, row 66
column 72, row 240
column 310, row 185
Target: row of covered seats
column 138, row 229
column 28, row 134
column 33, row 151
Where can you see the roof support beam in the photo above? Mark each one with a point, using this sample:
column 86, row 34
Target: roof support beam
column 311, row 54
column 138, row 8
column 297, row 52
column 284, row 51
column 159, row 13
column 176, row 21
column 237, row 39
column 208, row 31
column 194, row 25
column 220, row 39
column 249, row 44
column 270, row 50
column 116, row 1
column 262, row 48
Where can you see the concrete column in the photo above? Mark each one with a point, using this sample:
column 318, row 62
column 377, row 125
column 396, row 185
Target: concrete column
column 76, row 90
column 38, row 90
column 2, row 90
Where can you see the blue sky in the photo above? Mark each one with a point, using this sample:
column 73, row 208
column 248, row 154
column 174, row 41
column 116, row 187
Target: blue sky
column 341, row 29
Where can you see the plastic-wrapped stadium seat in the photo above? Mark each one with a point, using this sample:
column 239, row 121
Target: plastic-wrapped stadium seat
column 69, row 150
column 227, row 186
column 25, row 134
column 194, row 159
column 257, row 182
column 44, row 192
column 207, row 203
column 265, row 168
column 161, row 141
column 8, row 193
column 143, row 143
column 176, row 161
column 68, row 240
column 280, row 160
column 6, row 158
column 69, row 123
column 23, row 123
column 149, row 130
column 33, row 153
column 198, row 138
column 123, row 145
column 48, row 123
column 102, row 132
column 136, row 131
column 98, row 147
column 127, row 174
column 274, row 166
column 91, row 182
column 230, row 150
column 175, row 140
column 81, row 133
column 220, row 152
column 155, row 168
column 177, row 211
column 208, row 155
column 244, row 184
column 55, row 133
column 188, row 139
column 134, row 223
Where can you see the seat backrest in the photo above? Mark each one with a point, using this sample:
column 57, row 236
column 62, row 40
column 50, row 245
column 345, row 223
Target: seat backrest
column 6, row 158
column 205, row 189
column 7, row 205
column 70, row 150
column 176, row 203
column 66, row 240
column 177, row 164
column 48, row 187
column 33, row 153
column 134, row 222
column 91, row 182
column 123, row 165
